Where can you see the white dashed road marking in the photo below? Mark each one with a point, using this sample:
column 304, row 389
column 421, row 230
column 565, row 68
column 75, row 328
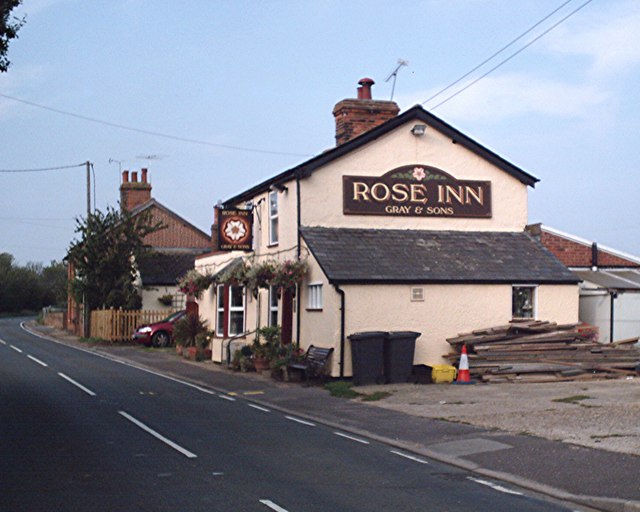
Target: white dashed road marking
column 263, row 409
column 273, row 506
column 298, row 420
column 494, row 486
column 16, row 349
column 158, row 436
column 77, row 384
column 356, row 439
column 38, row 361
column 410, row 457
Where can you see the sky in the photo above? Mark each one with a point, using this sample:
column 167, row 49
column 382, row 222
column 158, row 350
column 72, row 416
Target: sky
column 244, row 90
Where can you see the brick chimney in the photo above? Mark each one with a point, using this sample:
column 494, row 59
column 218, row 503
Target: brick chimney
column 133, row 192
column 356, row 116
column 214, row 229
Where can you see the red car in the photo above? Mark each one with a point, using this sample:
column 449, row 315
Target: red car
column 159, row 333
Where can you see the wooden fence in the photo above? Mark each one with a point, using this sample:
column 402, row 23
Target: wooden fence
column 118, row 325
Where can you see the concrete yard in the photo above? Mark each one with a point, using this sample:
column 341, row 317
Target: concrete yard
column 602, row 414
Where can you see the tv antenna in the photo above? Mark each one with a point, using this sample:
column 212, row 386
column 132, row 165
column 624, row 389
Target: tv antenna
column 119, row 162
column 151, row 157
column 394, row 75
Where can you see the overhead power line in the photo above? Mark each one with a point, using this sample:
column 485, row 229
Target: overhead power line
column 512, row 42
column 562, row 20
column 43, row 169
column 149, row 132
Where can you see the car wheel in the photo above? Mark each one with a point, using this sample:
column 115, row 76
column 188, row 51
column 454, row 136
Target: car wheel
column 160, row 339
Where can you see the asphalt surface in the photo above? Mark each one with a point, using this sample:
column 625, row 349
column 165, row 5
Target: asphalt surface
column 592, row 478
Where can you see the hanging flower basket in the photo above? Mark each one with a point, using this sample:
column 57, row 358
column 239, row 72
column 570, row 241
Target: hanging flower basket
column 236, row 275
column 290, row 273
column 261, row 275
column 194, row 283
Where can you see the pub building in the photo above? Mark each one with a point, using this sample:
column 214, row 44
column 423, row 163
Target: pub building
column 406, row 225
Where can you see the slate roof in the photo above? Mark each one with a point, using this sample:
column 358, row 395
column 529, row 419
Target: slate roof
column 393, row 256
column 165, row 268
column 415, row 113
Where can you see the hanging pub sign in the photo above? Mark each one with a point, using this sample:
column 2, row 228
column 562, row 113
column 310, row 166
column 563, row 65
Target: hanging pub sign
column 235, row 228
column 416, row 191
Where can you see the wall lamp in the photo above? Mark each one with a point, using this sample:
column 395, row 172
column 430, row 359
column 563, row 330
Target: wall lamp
column 280, row 187
column 419, row 129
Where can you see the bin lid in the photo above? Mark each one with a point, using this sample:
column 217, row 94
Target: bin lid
column 403, row 334
column 367, row 335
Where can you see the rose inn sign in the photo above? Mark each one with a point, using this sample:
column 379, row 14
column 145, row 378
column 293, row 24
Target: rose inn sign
column 416, row 191
column 234, row 229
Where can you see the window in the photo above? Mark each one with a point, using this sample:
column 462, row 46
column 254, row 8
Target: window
column 315, row 296
column 273, row 305
column 417, row 294
column 236, row 310
column 523, row 302
column 220, row 310
column 273, row 218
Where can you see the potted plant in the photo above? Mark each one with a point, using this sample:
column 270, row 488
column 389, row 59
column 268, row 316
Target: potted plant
column 242, row 360
column 264, row 353
column 190, row 332
column 166, row 299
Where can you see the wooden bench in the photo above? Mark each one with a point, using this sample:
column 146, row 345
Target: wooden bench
column 314, row 363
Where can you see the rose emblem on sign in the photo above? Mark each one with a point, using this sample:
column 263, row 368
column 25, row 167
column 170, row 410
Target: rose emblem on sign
column 419, row 174
column 235, row 230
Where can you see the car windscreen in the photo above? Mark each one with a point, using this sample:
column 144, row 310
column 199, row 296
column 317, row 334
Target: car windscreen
column 173, row 316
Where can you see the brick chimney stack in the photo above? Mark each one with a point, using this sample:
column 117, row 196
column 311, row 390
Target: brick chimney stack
column 133, row 192
column 356, row 116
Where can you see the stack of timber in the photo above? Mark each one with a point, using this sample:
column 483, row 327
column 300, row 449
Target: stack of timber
column 538, row 351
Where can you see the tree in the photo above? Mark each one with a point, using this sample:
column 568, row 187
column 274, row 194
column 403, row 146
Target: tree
column 104, row 258
column 9, row 26
column 29, row 288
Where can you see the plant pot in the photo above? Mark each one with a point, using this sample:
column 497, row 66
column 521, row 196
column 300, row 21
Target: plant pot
column 194, row 354
column 208, row 354
column 261, row 364
column 179, row 349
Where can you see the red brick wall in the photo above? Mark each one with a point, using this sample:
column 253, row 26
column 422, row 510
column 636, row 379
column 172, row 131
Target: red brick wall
column 575, row 254
column 176, row 234
column 356, row 116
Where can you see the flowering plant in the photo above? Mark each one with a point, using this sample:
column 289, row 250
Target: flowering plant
column 262, row 274
column 236, row 275
column 290, row 273
column 194, row 283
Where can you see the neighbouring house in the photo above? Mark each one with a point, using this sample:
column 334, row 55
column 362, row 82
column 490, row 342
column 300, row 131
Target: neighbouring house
column 407, row 224
column 610, row 288
column 174, row 249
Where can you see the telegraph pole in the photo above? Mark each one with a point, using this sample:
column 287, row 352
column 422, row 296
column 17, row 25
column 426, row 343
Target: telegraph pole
column 85, row 309
column 88, row 164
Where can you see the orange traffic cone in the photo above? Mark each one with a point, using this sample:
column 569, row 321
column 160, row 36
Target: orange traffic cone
column 463, row 367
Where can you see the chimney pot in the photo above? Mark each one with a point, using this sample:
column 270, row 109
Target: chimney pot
column 144, row 175
column 134, row 177
column 125, row 176
column 364, row 92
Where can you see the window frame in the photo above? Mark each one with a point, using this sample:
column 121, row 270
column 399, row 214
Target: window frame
column 274, row 308
column 534, row 301
column 273, row 218
column 235, row 309
column 220, row 311
column 315, row 300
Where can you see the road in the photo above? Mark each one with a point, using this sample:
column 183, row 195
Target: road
column 79, row 431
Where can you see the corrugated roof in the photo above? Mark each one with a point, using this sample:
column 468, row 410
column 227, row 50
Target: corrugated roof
column 417, row 256
column 611, row 279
